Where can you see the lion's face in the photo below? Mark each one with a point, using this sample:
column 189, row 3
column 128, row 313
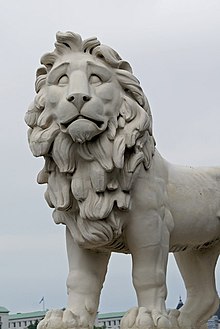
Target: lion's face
column 82, row 96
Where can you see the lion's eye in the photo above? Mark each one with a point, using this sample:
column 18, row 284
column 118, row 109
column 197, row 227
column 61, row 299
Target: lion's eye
column 63, row 80
column 95, row 79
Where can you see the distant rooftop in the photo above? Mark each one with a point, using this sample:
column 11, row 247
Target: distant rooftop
column 110, row 315
column 3, row 309
column 18, row 316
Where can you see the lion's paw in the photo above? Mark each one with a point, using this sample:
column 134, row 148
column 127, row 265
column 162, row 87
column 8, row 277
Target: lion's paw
column 58, row 319
column 142, row 318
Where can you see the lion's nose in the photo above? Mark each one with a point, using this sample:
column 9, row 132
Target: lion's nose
column 78, row 99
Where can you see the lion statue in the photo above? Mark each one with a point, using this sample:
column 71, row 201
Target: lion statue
column 108, row 184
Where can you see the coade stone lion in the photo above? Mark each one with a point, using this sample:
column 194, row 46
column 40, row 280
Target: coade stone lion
column 107, row 183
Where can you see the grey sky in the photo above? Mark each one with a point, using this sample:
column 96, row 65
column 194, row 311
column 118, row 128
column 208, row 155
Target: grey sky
column 173, row 47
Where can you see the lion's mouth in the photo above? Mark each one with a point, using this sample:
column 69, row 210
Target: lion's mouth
column 100, row 124
column 82, row 128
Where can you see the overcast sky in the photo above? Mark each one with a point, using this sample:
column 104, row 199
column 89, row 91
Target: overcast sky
column 174, row 49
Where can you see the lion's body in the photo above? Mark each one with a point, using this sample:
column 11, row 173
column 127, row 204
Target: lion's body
column 114, row 192
column 192, row 196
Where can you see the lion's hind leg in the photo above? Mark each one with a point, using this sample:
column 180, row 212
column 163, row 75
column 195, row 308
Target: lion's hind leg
column 198, row 271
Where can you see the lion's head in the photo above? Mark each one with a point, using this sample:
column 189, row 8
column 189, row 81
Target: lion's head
column 92, row 123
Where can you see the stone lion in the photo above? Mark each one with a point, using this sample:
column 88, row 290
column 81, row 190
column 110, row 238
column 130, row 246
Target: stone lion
column 108, row 184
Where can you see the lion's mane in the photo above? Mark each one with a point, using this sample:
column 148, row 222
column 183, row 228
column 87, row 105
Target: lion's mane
column 87, row 183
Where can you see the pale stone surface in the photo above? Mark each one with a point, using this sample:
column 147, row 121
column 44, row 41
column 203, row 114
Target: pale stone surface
column 114, row 192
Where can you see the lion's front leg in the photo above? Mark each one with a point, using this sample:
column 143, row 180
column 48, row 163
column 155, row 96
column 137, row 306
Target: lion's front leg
column 87, row 271
column 149, row 245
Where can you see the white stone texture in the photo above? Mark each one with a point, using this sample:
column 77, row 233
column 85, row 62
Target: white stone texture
column 107, row 183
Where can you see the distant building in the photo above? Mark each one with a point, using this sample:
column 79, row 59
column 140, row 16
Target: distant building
column 110, row 320
column 4, row 317
column 213, row 323
column 23, row 320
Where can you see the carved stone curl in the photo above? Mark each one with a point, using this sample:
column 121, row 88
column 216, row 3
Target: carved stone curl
column 91, row 122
